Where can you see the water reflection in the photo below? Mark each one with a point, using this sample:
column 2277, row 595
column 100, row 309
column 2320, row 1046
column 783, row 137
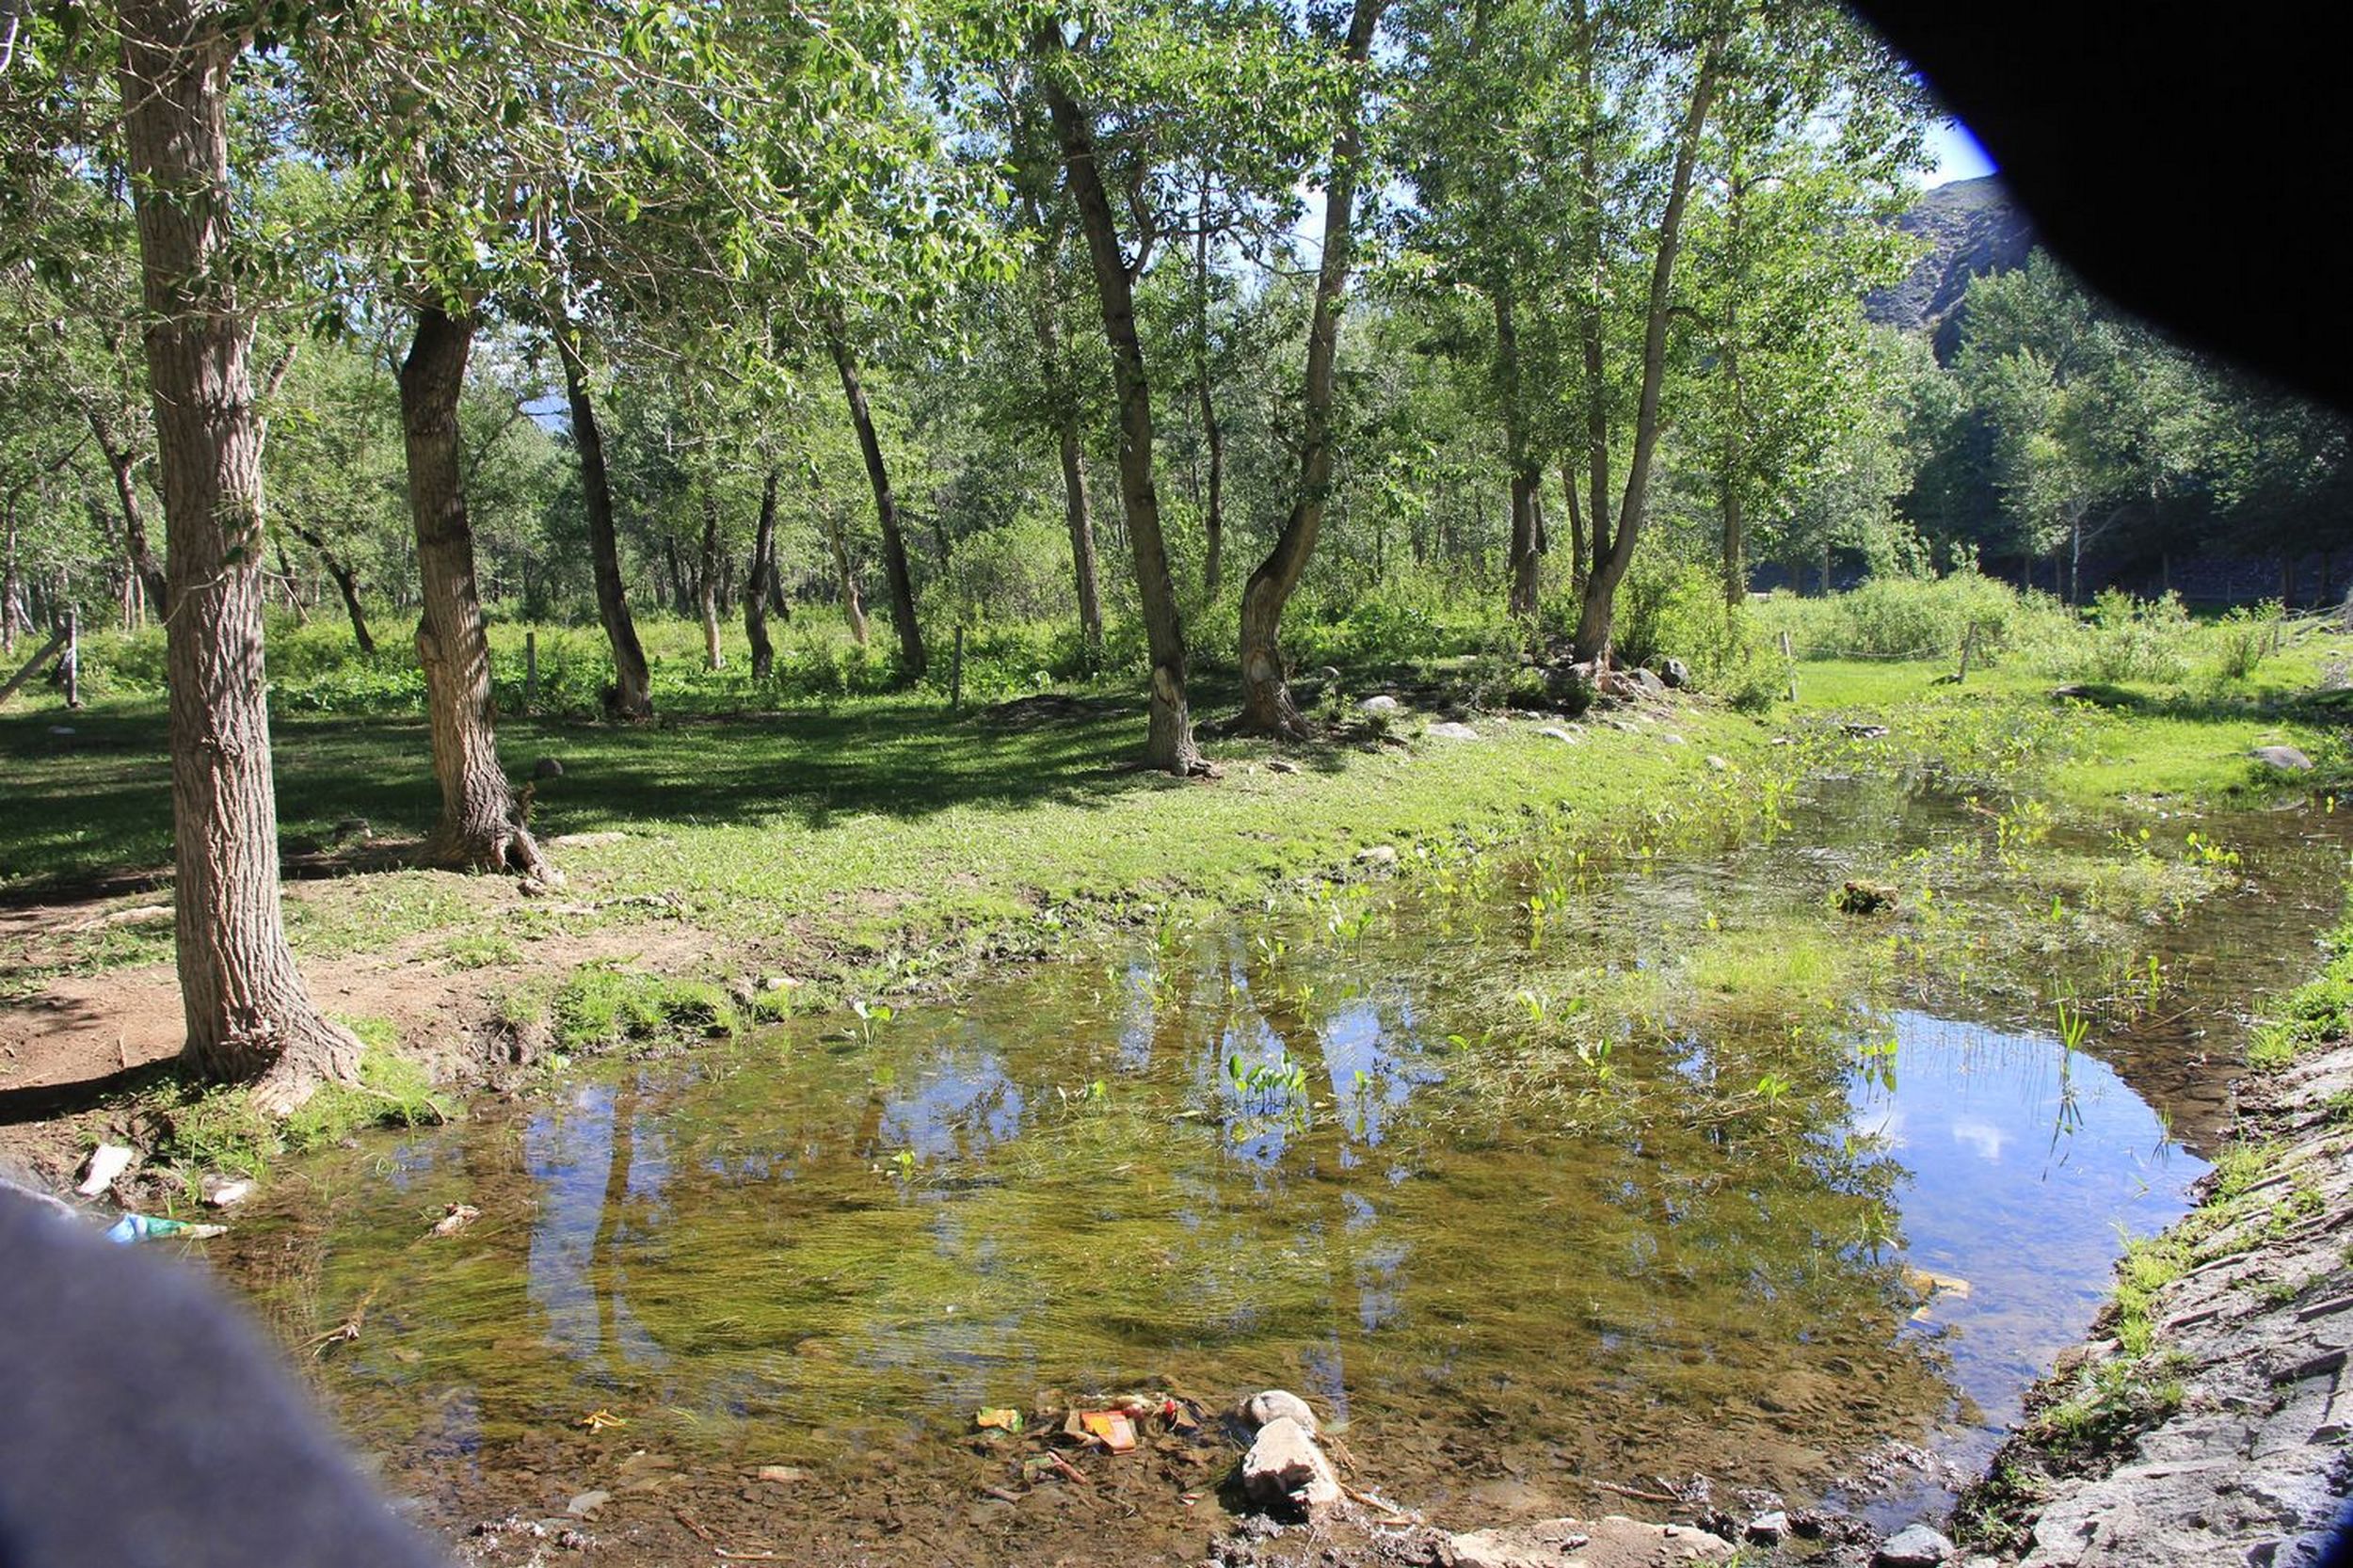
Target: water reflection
column 807, row 1244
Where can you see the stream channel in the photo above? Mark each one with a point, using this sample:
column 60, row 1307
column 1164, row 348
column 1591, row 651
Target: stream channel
column 1531, row 1173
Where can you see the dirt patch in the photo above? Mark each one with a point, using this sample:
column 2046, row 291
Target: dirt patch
column 79, row 1029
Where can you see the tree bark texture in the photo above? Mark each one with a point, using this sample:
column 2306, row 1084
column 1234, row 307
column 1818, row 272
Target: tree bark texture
column 760, row 582
column 1267, row 707
column 911, row 657
column 482, row 821
column 249, row 1016
column 1168, row 742
column 1597, row 615
column 631, row 695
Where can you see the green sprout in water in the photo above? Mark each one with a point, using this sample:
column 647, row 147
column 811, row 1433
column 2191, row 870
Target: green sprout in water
column 869, row 1015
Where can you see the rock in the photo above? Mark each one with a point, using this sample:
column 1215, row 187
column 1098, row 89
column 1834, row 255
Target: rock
column 1716, row 765
column 1276, row 1405
column 1616, row 1542
column 587, row 1503
column 1382, row 705
column 1913, row 1546
column 545, row 768
column 1675, row 672
column 1674, row 740
column 1865, row 731
column 783, row 1475
column 1863, row 897
column 220, row 1194
column 782, row 982
column 1384, row 856
column 2286, row 759
column 1279, row 766
column 353, row 828
column 1769, row 1530
column 1450, row 731
column 1284, row 1465
column 1647, row 681
column 1556, row 732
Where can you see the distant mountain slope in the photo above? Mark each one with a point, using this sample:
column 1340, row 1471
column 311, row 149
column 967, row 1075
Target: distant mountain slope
column 1972, row 227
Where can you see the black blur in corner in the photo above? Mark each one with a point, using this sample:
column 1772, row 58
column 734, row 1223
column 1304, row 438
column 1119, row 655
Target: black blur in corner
column 143, row 1424
column 2189, row 160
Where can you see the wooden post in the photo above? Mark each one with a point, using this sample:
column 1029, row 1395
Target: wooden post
column 531, row 670
column 955, row 674
column 1968, row 643
column 1790, row 657
column 73, row 656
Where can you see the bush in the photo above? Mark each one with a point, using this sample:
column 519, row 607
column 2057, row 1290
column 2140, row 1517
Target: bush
column 1909, row 617
column 2134, row 639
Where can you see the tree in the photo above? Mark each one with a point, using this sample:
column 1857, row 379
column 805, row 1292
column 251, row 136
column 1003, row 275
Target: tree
column 1169, row 742
column 248, row 1016
column 1267, row 706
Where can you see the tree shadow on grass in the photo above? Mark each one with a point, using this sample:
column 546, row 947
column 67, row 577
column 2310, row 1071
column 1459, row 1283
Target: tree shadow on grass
column 91, row 811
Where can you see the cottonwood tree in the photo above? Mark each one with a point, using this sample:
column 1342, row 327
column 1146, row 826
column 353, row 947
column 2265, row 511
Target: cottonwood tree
column 248, row 1016
column 1267, row 706
column 1126, row 97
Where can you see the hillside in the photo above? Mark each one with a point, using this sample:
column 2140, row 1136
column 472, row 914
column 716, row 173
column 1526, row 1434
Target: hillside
column 1972, row 227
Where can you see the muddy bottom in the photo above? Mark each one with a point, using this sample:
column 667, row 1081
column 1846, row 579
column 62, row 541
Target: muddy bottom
column 1553, row 1183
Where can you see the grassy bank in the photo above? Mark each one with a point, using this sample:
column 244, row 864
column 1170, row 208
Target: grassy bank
column 800, row 849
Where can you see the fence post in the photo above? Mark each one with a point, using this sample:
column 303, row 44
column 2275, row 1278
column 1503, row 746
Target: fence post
column 1789, row 658
column 956, row 675
column 531, row 670
column 1968, row 642
column 73, row 656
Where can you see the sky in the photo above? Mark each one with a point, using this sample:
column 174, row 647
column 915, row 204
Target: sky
column 1957, row 153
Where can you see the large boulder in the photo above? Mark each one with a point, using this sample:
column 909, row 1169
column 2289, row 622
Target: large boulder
column 1675, row 672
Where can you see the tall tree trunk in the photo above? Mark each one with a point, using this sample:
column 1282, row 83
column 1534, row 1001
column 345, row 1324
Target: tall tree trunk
column 1212, row 437
column 1577, row 528
column 1168, row 742
column 911, row 659
column 1062, row 397
column 249, row 1016
column 346, row 583
column 482, row 823
column 1589, row 329
column 706, row 585
column 1521, row 464
column 1597, row 616
column 631, row 692
column 760, row 582
column 1267, row 707
column 123, row 464
column 850, row 609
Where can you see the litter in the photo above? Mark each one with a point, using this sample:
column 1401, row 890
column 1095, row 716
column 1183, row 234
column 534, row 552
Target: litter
column 146, row 1227
column 1003, row 1419
column 1113, row 1428
column 106, row 1161
column 455, row 1218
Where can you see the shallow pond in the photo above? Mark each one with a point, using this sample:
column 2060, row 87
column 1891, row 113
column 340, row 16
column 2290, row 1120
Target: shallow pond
column 1544, row 1177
